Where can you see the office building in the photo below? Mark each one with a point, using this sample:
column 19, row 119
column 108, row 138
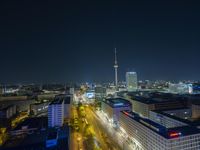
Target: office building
column 131, row 81
column 67, row 105
column 168, row 118
column 59, row 109
column 71, row 91
column 142, row 105
column 181, row 88
column 112, row 107
column 90, row 94
column 39, row 108
column 56, row 113
column 145, row 134
column 195, row 111
column 100, row 93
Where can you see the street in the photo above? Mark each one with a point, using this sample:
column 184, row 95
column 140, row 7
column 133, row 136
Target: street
column 106, row 140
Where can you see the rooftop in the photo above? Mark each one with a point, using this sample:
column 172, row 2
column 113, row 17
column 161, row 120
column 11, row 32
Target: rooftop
column 186, row 121
column 56, row 101
column 167, row 133
column 36, row 122
column 150, row 100
column 60, row 98
column 117, row 102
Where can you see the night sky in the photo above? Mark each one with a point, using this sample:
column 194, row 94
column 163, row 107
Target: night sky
column 66, row 41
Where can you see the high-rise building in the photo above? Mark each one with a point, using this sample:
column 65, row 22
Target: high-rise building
column 100, row 92
column 56, row 113
column 145, row 134
column 112, row 107
column 131, row 81
column 59, row 109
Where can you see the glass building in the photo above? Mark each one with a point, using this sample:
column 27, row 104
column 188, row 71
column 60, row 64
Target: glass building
column 131, row 81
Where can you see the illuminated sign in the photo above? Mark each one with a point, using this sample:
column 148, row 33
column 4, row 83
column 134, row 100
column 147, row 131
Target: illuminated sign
column 119, row 104
column 51, row 143
column 90, row 95
column 126, row 113
column 174, row 134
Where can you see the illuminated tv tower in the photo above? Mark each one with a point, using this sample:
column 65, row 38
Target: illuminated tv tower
column 116, row 67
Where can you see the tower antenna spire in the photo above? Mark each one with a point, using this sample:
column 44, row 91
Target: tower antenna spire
column 116, row 67
column 115, row 56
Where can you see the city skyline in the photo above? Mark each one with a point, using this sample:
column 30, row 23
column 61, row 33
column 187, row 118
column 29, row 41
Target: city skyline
column 45, row 41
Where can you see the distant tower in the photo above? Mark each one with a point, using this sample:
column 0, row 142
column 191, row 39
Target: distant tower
column 116, row 67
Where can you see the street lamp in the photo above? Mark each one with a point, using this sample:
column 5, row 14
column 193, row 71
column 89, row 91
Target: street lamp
column 78, row 140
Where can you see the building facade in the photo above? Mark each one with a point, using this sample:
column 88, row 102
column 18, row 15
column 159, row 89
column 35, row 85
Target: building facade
column 59, row 110
column 56, row 113
column 112, row 107
column 145, row 134
column 195, row 111
column 38, row 108
column 165, row 120
column 100, row 93
column 8, row 112
column 131, row 81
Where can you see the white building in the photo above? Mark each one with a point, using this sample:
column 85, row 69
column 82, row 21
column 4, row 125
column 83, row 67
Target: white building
column 56, row 113
column 71, row 91
column 59, row 109
column 112, row 107
column 145, row 134
column 165, row 119
column 131, row 81
column 181, row 88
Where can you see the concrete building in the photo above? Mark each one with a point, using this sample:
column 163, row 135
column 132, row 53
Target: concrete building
column 195, row 111
column 131, row 81
column 67, row 106
column 39, row 108
column 142, row 105
column 30, row 125
column 59, row 109
column 100, row 93
column 112, row 107
column 7, row 112
column 181, row 88
column 71, row 91
column 56, row 113
column 168, row 120
column 145, row 134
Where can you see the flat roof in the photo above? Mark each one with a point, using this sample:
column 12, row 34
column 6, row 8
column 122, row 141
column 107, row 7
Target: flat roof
column 117, row 102
column 35, row 122
column 168, row 133
column 56, row 101
column 149, row 100
column 67, row 100
column 40, row 103
column 186, row 121
column 60, row 98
